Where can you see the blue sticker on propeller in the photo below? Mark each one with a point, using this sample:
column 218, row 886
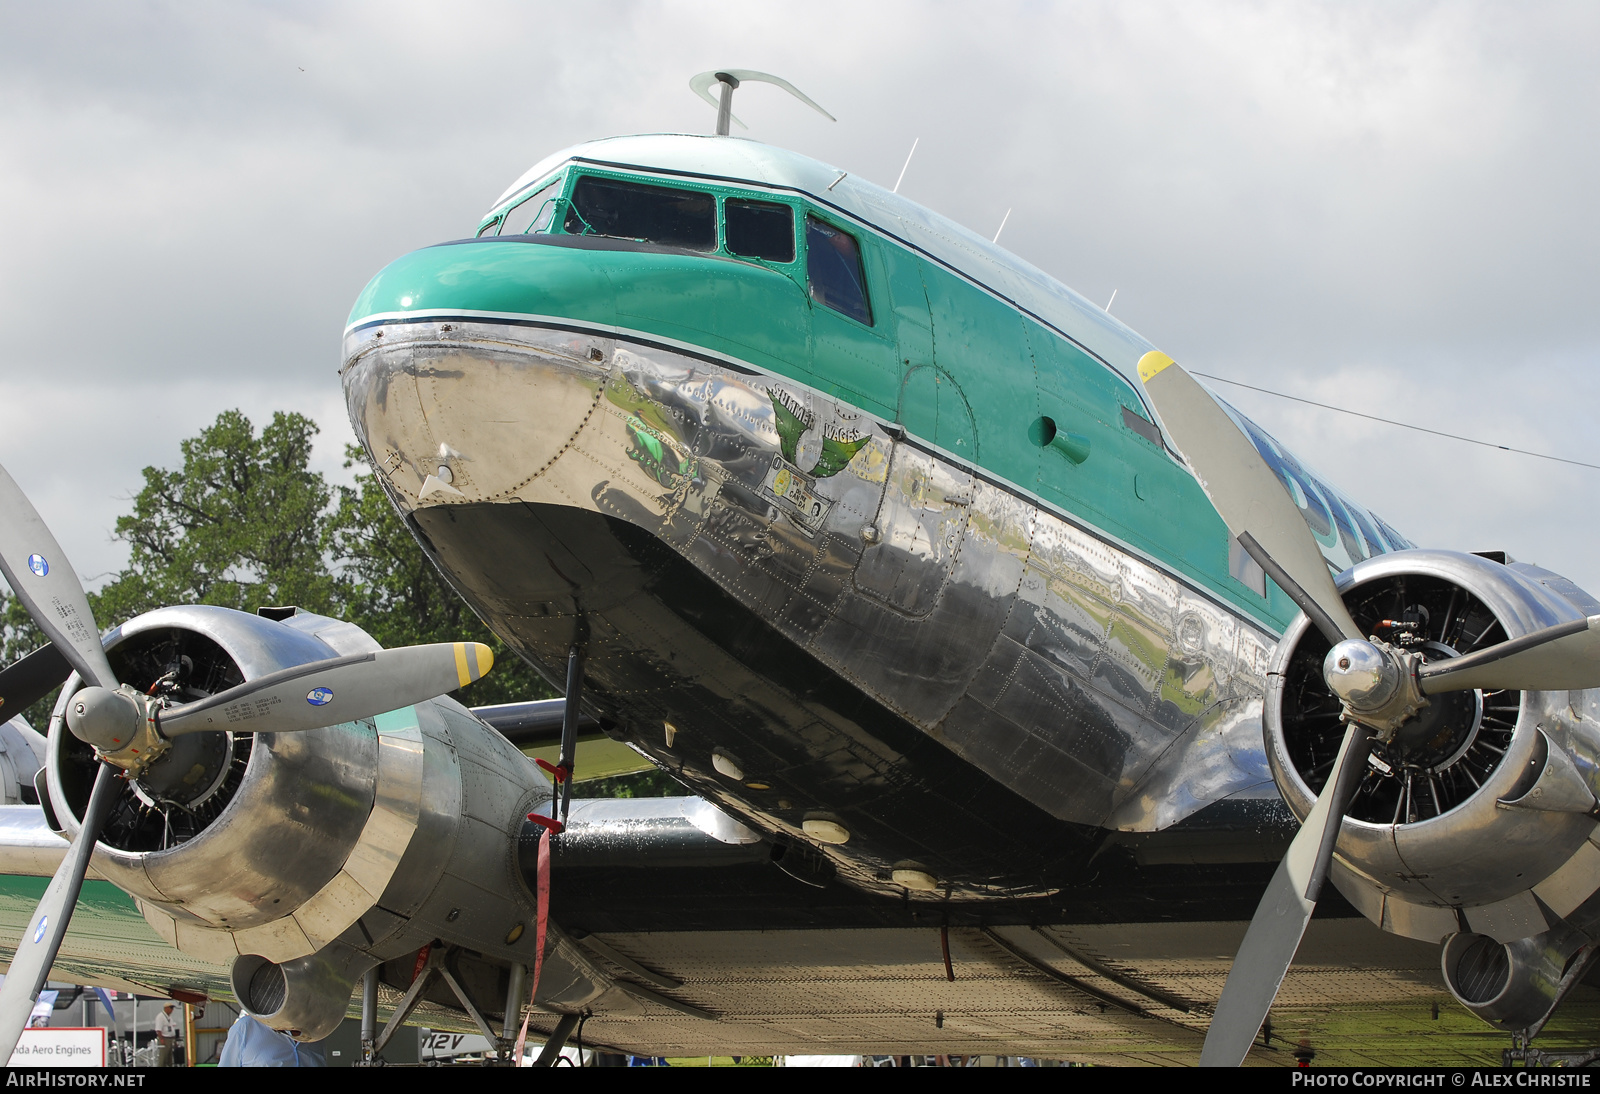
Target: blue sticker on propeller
column 44, row 921
column 319, row 697
column 38, row 565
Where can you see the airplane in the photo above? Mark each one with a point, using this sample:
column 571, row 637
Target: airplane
column 1007, row 665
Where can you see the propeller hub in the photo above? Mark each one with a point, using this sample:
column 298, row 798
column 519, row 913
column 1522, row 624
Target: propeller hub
column 1376, row 682
column 1359, row 674
column 120, row 724
column 107, row 719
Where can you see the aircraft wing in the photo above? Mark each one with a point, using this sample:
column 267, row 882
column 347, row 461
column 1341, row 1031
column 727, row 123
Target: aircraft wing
column 705, row 944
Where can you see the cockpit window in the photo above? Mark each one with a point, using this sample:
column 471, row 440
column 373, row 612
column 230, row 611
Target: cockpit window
column 533, row 213
column 759, row 229
column 833, row 265
column 631, row 210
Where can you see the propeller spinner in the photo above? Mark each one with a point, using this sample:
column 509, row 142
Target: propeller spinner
column 129, row 730
column 1381, row 686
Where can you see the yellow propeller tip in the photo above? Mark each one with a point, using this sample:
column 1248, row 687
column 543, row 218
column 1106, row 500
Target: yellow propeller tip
column 473, row 662
column 1152, row 363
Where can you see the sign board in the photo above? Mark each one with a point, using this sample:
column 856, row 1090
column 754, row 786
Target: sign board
column 434, row 1045
column 62, row 1046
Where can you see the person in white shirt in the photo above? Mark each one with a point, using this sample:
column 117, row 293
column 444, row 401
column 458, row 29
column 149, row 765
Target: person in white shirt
column 166, row 1035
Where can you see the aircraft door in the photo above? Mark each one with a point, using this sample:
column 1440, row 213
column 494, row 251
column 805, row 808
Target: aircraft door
column 981, row 351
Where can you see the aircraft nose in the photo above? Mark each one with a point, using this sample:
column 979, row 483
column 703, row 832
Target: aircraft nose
column 458, row 412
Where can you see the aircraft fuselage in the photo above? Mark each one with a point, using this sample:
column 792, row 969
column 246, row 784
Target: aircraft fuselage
column 850, row 537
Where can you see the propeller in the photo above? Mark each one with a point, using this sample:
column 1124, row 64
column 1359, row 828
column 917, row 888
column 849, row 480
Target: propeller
column 130, row 730
column 1381, row 686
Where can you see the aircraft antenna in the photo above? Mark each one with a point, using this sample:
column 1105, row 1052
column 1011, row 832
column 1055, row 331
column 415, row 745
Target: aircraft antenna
column 1112, row 301
column 902, row 177
column 731, row 78
column 1002, row 227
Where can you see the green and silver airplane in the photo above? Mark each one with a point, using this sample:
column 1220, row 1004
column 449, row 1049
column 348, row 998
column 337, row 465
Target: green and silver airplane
column 1007, row 665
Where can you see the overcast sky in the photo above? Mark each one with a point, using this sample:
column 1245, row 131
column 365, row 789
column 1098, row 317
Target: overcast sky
column 1390, row 207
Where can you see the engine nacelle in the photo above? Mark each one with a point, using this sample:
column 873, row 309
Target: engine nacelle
column 1479, row 816
column 303, row 859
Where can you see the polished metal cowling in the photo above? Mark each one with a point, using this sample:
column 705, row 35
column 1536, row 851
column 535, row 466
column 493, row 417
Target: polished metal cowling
column 1516, row 846
column 397, row 830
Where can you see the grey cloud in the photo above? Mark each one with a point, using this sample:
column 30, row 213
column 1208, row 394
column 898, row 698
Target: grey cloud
column 1383, row 206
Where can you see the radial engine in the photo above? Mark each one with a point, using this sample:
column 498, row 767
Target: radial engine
column 302, row 860
column 1474, row 825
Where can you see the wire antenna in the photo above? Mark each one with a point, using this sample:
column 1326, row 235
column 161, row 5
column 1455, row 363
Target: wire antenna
column 1112, row 301
column 1002, row 227
column 903, row 167
column 731, row 78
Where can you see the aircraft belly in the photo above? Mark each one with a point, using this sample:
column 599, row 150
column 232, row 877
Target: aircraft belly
column 841, row 598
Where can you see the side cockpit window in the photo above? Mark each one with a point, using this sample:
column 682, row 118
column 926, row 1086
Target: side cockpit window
column 759, row 229
column 654, row 214
column 533, row 213
column 833, row 266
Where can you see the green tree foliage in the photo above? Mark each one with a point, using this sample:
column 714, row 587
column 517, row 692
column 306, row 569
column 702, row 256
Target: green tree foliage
column 388, row 587
column 242, row 525
column 246, row 523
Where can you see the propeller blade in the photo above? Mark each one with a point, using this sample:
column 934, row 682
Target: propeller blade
column 1252, row 500
column 48, row 926
column 341, row 689
column 45, row 582
column 1565, row 657
column 28, row 679
column 1285, row 909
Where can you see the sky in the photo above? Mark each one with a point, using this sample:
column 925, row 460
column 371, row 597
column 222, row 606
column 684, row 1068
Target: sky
column 1390, row 207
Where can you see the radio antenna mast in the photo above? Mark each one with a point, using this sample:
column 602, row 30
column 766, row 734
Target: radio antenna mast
column 730, row 78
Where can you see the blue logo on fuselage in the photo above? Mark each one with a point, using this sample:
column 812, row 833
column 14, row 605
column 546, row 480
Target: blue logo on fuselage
column 38, row 932
column 38, row 565
column 319, row 697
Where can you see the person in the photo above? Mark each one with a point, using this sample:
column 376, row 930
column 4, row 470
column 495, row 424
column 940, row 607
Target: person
column 252, row 1043
column 166, row 1035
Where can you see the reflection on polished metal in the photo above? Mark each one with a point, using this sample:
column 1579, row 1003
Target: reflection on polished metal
column 1063, row 665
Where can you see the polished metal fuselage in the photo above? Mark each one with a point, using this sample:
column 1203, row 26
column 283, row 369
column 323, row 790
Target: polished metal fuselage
column 1077, row 674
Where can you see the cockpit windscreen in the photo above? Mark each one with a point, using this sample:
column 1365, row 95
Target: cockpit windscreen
column 654, row 214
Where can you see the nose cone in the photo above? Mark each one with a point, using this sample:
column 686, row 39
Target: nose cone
column 1358, row 673
column 106, row 719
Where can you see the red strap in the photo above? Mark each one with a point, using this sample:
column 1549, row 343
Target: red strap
column 558, row 772
column 542, row 892
column 422, row 961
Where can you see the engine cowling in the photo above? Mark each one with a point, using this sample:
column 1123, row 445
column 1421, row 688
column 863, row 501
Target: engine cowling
column 1479, row 817
column 304, row 859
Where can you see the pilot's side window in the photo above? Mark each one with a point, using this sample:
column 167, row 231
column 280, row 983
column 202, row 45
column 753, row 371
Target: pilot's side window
column 533, row 213
column 631, row 210
column 759, row 229
column 833, row 265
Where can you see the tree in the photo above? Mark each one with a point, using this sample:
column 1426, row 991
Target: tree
column 390, row 589
column 242, row 525
column 247, row 523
